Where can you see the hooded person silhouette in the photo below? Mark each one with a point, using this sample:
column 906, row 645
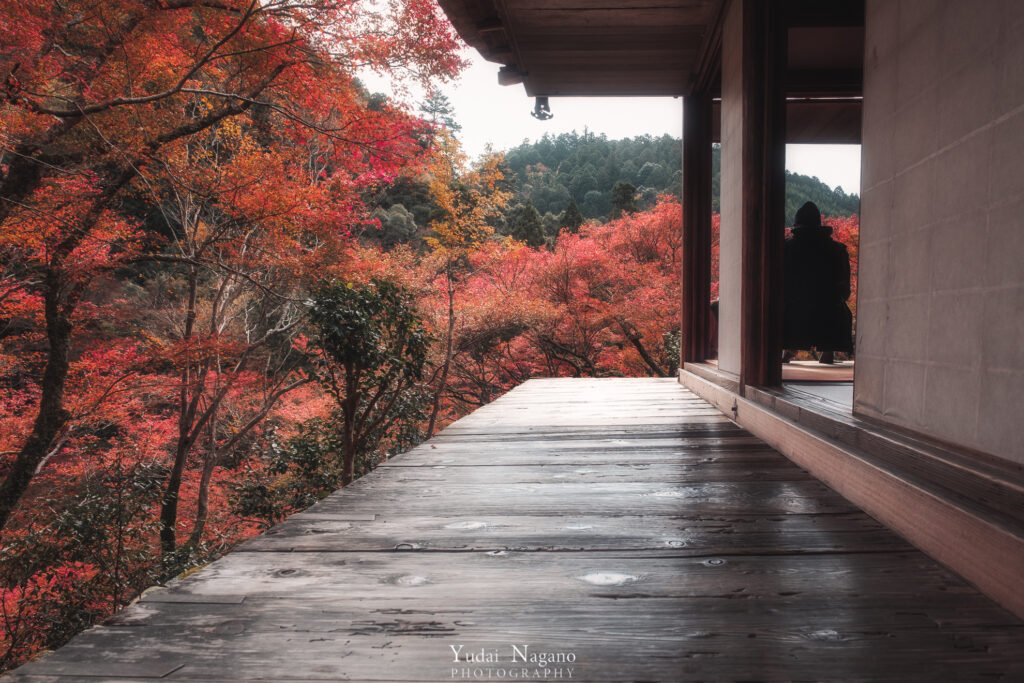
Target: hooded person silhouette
column 816, row 285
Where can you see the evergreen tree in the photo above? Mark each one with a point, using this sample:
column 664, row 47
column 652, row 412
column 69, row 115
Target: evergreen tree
column 627, row 172
column 413, row 195
column 584, row 181
column 800, row 189
column 572, row 219
column 437, row 108
column 551, row 224
column 369, row 350
column 596, row 204
column 397, row 226
column 653, row 175
column 528, row 227
column 623, row 199
column 648, row 198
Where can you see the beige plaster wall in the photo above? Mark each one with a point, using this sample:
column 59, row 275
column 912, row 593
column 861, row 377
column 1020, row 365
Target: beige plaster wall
column 940, row 329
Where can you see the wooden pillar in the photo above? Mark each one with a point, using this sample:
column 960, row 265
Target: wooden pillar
column 696, row 254
column 763, row 201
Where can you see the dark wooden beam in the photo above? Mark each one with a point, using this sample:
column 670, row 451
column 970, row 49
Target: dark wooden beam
column 508, row 75
column 472, row 19
column 580, row 19
column 709, row 58
column 813, row 121
column 823, row 122
column 490, row 25
column 825, row 82
column 499, row 55
column 611, row 39
column 819, row 13
column 586, row 84
column 696, row 256
column 565, row 64
column 764, row 186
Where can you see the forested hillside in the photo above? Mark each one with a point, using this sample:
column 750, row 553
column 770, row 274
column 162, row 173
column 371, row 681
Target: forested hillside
column 586, row 169
column 588, row 176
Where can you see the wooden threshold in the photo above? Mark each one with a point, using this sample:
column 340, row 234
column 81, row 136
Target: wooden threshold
column 967, row 515
column 802, row 370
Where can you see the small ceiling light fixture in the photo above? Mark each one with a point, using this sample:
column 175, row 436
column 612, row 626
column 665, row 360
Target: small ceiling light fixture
column 542, row 109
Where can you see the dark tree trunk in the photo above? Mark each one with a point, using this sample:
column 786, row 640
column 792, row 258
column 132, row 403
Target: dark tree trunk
column 188, row 402
column 348, row 437
column 203, row 497
column 443, row 381
column 61, row 294
column 51, row 416
column 169, row 503
column 634, row 338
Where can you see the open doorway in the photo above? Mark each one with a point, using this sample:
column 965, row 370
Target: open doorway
column 819, row 363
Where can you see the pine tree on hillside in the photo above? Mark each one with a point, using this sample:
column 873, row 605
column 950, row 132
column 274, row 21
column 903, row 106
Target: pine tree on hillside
column 572, row 219
column 551, row 223
column 623, row 199
column 527, row 226
column 832, row 203
column 437, row 108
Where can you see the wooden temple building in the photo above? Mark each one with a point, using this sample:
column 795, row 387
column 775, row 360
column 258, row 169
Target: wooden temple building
column 730, row 525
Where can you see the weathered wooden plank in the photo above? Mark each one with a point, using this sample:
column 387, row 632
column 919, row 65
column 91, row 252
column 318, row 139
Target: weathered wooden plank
column 438, row 578
column 525, row 424
column 680, row 617
column 796, row 534
column 551, row 445
column 766, row 468
column 864, row 616
column 768, row 498
column 617, row 437
column 870, row 655
column 334, row 640
column 677, row 631
column 583, row 459
column 480, row 456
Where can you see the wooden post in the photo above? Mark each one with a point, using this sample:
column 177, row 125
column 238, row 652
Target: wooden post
column 696, row 255
column 764, row 159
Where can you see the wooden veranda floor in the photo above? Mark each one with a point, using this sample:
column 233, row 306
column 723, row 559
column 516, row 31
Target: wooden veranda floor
column 622, row 524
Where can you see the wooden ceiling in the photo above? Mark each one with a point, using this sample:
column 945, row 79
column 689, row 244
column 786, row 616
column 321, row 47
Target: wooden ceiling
column 600, row 47
column 668, row 48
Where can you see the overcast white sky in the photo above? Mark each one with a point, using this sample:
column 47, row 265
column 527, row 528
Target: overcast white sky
column 500, row 116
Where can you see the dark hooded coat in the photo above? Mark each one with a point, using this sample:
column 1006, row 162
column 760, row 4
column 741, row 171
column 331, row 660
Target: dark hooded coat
column 816, row 286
